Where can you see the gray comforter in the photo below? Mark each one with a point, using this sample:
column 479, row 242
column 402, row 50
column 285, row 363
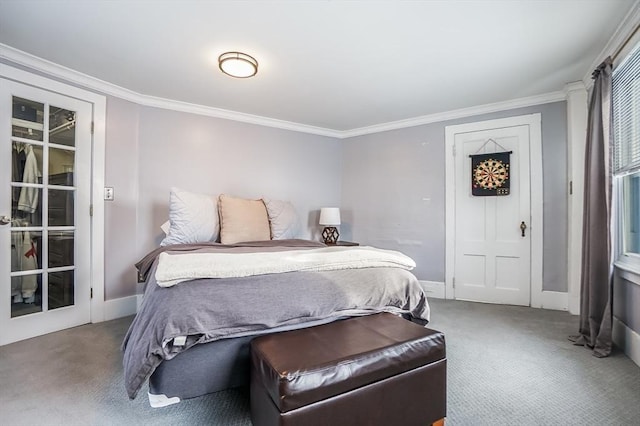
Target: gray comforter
column 206, row 310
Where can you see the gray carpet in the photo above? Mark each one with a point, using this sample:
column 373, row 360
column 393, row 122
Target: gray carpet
column 507, row 365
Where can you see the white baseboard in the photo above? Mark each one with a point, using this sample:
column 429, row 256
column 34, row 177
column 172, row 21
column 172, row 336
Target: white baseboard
column 626, row 339
column 122, row 307
column 549, row 299
column 556, row 300
column 433, row 289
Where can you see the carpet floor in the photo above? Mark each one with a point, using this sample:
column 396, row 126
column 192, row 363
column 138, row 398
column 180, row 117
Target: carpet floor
column 506, row 366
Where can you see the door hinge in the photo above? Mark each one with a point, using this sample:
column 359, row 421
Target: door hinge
column 454, row 150
column 91, row 295
column 570, row 187
column 454, row 282
column 92, row 127
column 91, row 210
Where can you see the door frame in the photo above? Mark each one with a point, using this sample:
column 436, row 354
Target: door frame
column 536, row 221
column 99, row 103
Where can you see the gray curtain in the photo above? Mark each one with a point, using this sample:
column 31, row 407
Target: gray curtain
column 597, row 268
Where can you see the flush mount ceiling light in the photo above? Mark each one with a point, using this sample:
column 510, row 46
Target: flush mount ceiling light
column 238, row 64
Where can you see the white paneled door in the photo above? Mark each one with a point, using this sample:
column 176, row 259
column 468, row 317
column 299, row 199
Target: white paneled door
column 492, row 234
column 45, row 184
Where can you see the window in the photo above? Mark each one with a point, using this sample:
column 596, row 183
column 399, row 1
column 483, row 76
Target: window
column 631, row 213
column 625, row 97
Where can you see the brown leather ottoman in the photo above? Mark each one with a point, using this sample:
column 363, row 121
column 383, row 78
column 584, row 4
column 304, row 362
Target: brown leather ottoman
column 373, row 370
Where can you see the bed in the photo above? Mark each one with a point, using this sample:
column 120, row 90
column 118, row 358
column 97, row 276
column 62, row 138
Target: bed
column 204, row 302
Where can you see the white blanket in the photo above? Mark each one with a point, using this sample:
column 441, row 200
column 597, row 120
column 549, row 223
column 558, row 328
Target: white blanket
column 176, row 268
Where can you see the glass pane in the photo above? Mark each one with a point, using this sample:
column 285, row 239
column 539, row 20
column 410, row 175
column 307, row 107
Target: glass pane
column 61, row 163
column 26, row 295
column 60, row 207
column 25, row 256
column 26, row 167
column 26, row 163
column 60, row 289
column 62, row 126
column 25, row 250
column 26, row 206
column 27, row 119
column 60, row 249
column 631, row 186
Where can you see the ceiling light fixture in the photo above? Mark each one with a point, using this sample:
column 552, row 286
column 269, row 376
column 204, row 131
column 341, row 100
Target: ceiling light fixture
column 238, row 64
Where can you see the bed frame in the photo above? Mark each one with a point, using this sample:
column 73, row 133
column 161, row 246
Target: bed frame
column 211, row 367
column 203, row 369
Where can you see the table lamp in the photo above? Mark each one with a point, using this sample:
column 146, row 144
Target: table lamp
column 330, row 218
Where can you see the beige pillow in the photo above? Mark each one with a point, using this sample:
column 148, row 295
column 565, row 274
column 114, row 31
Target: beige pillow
column 242, row 220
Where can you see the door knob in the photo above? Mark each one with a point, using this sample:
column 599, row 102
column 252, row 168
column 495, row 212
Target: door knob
column 523, row 227
column 5, row 220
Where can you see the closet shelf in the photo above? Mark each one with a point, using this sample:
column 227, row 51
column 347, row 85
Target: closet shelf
column 27, row 124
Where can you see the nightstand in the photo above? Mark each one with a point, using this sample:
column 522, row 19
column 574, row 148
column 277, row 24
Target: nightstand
column 344, row 243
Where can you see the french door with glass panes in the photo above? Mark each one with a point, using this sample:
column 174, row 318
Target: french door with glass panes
column 45, row 181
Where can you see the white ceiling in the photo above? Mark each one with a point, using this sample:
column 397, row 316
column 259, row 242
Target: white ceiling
column 338, row 65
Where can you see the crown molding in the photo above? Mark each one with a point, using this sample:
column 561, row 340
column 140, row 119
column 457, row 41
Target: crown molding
column 52, row 69
column 61, row 72
column 458, row 113
column 576, row 86
column 236, row 116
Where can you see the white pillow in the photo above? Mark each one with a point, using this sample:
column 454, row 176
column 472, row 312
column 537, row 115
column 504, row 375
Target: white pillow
column 193, row 218
column 242, row 220
column 283, row 219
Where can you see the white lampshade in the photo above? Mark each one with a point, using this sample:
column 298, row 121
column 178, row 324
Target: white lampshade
column 330, row 216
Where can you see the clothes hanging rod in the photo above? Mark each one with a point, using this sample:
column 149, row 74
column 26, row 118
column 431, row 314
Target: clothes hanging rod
column 624, row 44
column 62, row 127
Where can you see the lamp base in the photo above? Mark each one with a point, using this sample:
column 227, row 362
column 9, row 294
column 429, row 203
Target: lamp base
column 330, row 235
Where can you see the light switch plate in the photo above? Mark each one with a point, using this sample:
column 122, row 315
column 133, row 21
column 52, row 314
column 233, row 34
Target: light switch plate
column 108, row 193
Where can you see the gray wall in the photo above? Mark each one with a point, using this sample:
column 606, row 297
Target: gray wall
column 149, row 150
column 626, row 299
column 121, row 172
column 390, row 186
column 393, row 193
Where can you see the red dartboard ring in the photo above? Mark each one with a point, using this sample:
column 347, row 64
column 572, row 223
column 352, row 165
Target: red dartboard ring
column 490, row 174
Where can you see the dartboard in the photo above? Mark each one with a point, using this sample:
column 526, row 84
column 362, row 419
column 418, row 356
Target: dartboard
column 490, row 174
